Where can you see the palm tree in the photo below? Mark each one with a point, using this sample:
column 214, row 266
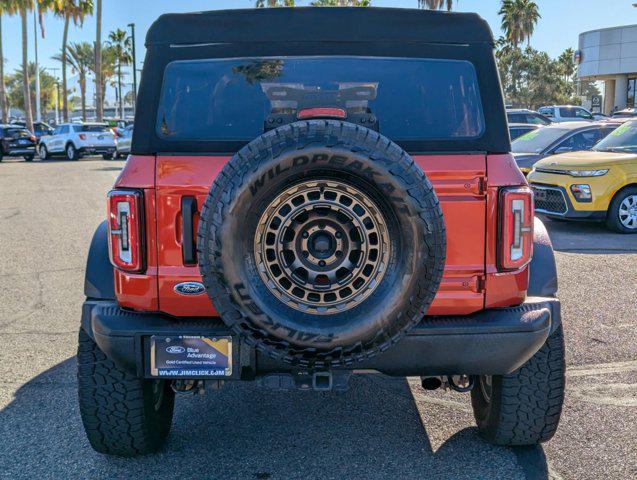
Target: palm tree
column 107, row 68
column 519, row 18
column 80, row 57
column 99, row 92
column 75, row 10
column 436, row 4
column 341, row 3
column 23, row 7
column 121, row 44
column 274, row 3
column 8, row 7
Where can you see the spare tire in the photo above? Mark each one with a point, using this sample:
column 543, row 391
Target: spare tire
column 321, row 243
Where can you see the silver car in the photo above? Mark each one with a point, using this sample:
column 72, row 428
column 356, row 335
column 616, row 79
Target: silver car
column 558, row 138
column 123, row 141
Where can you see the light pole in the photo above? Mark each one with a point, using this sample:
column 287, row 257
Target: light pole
column 132, row 28
column 57, row 93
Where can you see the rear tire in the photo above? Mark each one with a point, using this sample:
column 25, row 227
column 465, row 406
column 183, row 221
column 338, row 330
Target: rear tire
column 29, row 158
column 107, row 156
column 43, row 153
column 122, row 414
column 622, row 214
column 71, row 152
column 523, row 407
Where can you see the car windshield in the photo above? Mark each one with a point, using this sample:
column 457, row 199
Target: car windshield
column 92, row 128
column 538, row 140
column 622, row 139
column 232, row 99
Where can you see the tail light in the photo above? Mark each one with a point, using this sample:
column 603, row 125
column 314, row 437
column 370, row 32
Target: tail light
column 82, row 136
column 125, row 223
column 516, row 227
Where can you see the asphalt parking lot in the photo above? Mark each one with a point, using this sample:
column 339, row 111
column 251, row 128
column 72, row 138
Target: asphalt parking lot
column 381, row 428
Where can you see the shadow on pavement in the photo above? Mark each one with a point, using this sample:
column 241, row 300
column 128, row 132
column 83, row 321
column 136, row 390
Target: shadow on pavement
column 244, row 432
column 588, row 237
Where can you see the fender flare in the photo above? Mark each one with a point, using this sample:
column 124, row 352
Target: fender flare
column 542, row 269
column 99, row 280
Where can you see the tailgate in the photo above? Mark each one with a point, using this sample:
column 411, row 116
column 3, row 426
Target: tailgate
column 459, row 181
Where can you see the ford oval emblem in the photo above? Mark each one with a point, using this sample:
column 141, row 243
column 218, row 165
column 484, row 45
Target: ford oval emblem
column 190, row 288
column 175, row 349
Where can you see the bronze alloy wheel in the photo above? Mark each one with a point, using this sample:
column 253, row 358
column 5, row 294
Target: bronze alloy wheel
column 322, row 247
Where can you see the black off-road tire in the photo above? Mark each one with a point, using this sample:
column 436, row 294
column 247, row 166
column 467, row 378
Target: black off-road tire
column 319, row 152
column 612, row 218
column 122, row 415
column 523, row 407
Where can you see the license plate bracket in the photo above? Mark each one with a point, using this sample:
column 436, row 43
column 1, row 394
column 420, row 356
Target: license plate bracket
column 191, row 356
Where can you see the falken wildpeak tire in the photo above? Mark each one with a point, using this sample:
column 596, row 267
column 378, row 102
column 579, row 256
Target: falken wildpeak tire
column 309, row 176
column 523, row 407
column 122, row 415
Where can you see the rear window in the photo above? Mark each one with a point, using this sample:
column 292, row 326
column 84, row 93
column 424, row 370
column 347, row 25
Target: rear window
column 91, row 128
column 17, row 133
column 230, row 99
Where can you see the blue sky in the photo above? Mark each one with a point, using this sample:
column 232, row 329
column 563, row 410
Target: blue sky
column 562, row 21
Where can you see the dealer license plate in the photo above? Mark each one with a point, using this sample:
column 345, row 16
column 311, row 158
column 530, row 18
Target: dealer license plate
column 190, row 356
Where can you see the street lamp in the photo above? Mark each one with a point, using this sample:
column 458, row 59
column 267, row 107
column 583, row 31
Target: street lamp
column 132, row 27
column 57, row 91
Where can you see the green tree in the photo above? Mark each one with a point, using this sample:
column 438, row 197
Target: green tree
column 274, row 3
column 436, row 4
column 76, row 11
column 341, row 3
column 121, row 44
column 15, row 91
column 519, row 18
column 80, row 56
column 108, row 68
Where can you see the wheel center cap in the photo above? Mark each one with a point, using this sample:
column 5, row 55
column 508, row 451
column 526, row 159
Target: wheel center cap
column 322, row 245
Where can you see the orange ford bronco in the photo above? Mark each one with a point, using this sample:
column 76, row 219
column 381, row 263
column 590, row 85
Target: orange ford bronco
column 305, row 203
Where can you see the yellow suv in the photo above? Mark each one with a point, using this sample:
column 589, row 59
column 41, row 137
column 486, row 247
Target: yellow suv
column 600, row 184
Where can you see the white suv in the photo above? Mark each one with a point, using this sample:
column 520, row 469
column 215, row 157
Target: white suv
column 566, row 113
column 73, row 140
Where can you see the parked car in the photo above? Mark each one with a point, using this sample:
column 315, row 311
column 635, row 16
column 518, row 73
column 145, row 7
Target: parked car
column 566, row 113
column 16, row 141
column 600, row 116
column 73, row 140
column 597, row 185
column 268, row 230
column 123, row 141
column 40, row 129
column 523, row 115
column 626, row 113
column 516, row 130
column 558, row 138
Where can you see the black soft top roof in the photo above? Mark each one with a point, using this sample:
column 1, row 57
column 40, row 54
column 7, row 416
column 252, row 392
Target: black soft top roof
column 319, row 24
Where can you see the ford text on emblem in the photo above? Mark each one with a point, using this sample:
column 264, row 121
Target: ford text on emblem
column 190, row 288
column 175, row 349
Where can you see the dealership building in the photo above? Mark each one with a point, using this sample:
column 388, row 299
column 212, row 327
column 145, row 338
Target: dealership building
column 610, row 55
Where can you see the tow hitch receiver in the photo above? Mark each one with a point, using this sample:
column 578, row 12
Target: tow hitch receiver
column 319, row 381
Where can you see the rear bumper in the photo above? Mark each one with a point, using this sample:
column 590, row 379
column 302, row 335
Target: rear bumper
column 495, row 341
column 97, row 149
column 18, row 152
